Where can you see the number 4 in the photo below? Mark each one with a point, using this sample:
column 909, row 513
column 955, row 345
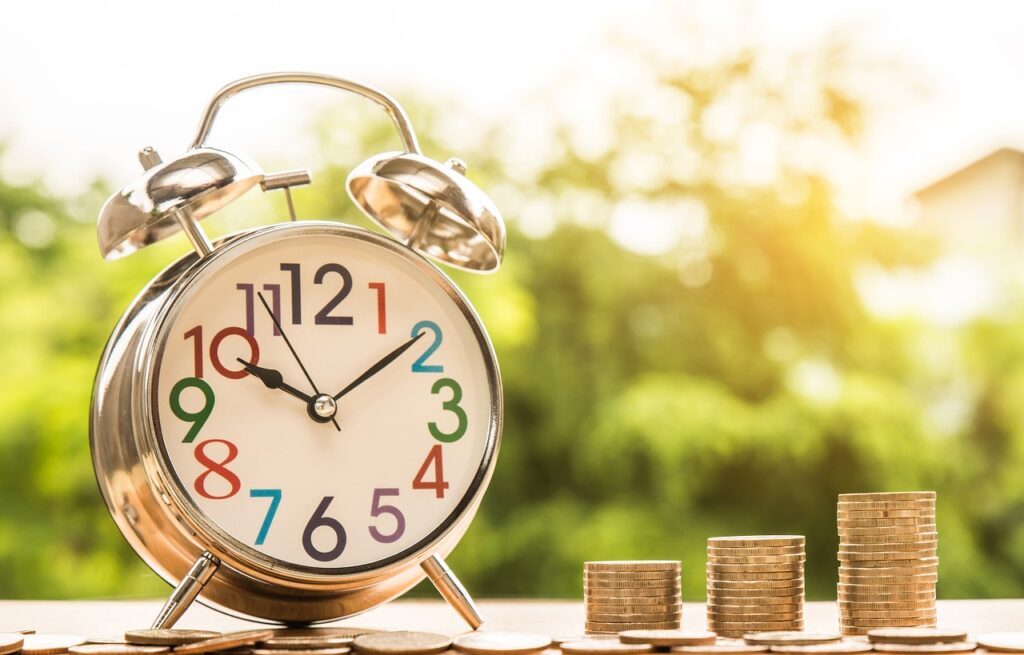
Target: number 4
column 438, row 484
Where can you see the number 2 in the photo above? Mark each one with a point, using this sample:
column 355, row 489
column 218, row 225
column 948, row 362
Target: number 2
column 420, row 365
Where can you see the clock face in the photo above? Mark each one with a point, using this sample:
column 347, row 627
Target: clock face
column 326, row 399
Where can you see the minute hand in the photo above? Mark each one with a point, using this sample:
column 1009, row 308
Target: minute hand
column 376, row 368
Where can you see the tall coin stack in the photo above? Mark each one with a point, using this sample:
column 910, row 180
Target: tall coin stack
column 887, row 560
column 755, row 584
column 632, row 595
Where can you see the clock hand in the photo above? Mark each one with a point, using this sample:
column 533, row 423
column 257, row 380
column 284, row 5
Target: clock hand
column 273, row 380
column 288, row 342
column 376, row 368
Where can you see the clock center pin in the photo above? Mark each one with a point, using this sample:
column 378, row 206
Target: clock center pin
column 324, row 406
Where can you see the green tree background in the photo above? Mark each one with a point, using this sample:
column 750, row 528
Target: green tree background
column 650, row 399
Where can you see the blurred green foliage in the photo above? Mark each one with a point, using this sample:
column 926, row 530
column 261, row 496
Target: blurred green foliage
column 730, row 383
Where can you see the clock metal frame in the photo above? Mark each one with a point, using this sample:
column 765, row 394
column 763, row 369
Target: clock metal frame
column 165, row 527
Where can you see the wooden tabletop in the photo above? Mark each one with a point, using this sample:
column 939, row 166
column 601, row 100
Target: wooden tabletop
column 553, row 617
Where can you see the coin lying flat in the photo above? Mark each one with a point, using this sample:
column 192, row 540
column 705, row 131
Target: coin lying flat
column 401, row 642
column 734, row 605
column 887, row 496
column 49, row 644
column 631, row 618
column 1002, row 641
column 841, row 647
column 634, row 565
column 306, row 643
column 226, row 641
column 168, row 637
column 602, row 646
column 722, row 647
column 118, row 649
column 503, row 643
column 790, row 638
column 756, row 568
column 335, row 650
column 757, row 559
column 916, row 635
column 10, row 642
column 324, row 632
column 756, row 541
column 913, row 649
column 619, row 626
column 667, row 637
column 757, row 585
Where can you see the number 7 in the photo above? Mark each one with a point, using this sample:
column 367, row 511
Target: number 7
column 275, row 499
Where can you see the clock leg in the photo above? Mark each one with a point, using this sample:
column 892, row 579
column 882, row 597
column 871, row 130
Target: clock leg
column 187, row 590
column 452, row 590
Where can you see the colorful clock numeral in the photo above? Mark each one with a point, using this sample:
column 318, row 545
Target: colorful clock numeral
column 438, row 484
column 198, row 418
column 319, row 520
column 323, row 317
column 196, row 334
column 382, row 315
column 250, row 309
column 275, row 501
column 219, row 469
column 377, row 508
column 420, row 365
column 450, row 405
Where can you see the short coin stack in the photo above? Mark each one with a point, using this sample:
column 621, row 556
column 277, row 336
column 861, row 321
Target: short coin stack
column 755, row 584
column 632, row 595
column 888, row 566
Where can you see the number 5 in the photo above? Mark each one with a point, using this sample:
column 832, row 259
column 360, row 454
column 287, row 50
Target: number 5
column 376, row 509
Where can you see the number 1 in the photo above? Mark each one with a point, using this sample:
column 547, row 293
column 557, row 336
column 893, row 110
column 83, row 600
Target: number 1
column 275, row 499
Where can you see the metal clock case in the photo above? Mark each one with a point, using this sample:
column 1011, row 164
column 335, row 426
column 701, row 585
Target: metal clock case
column 435, row 211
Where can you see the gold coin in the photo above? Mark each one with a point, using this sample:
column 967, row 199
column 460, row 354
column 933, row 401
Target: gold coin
column 887, row 496
column 118, row 649
column 922, row 563
column 885, row 503
column 909, row 537
column 831, row 648
column 601, row 590
column 898, row 587
column 913, row 649
column 631, row 584
column 908, row 570
column 758, row 584
column 882, row 597
column 298, row 642
column 721, row 648
column 719, row 588
column 892, row 622
column 845, row 522
column 630, row 599
column 878, row 558
column 756, row 541
column 912, row 513
column 501, row 643
column 1002, row 641
column 561, row 639
column 10, row 642
column 755, row 600
column 44, row 644
column 667, row 574
column 893, row 607
column 634, row 609
column 756, row 559
column 615, row 626
column 167, row 637
column 632, row 566
column 791, row 638
column 226, row 641
column 760, row 617
column 750, row 576
column 889, row 547
column 402, row 642
column 719, row 608
column 602, row 646
column 756, row 550
column 916, row 636
column 335, row 650
column 751, row 627
column 323, row 632
column 852, row 532
column 663, row 638
column 857, row 615
column 797, row 565
column 643, row 617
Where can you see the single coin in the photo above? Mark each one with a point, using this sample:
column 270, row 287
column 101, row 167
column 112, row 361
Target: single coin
column 330, row 650
column 766, row 601
column 887, row 496
column 750, row 576
column 118, row 649
column 910, row 537
column 912, row 513
column 917, row 636
column 857, row 615
column 856, row 556
column 168, row 637
column 306, row 643
column 752, row 608
column 946, row 647
column 902, row 586
column 226, row 641
column 633, row 609
column 751, row 627
column 402, row 642
column 629, row 591
column 887, row 605
column 10, row 642
column 756, row 559
column 923, row 563
column 631, row 566
column 888, row 623
column 668, row 574
column 790, row 638
column 323, row 632
column 49, row 644
column 663, row 638
column 841, row 647
column 633, row 618
column 913, row 573
column 741, row 596
column 853, row 533
column 756, row 550
column 561, row 639
column 721, row 648
column 1002, row 641
column 758, row 584
column 756, row 568
column 879, row 597
column 503, row 643
column 628, row 588
column 105, row 640
column 605, row 626
column 602, row 646
column 756, row 617
column 756, row 541
column 924, row 544
column 630, row 599
column 886, row 502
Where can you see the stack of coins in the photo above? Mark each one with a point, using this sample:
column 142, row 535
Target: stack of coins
column 755, row 584
column 887, row 560
column 637, row 595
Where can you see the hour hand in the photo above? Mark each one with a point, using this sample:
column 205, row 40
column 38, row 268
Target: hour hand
column 273, row 379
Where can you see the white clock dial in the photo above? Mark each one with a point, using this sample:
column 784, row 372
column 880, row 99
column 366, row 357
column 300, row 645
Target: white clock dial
column 264, row 455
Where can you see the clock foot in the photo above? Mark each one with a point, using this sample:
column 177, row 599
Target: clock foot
column 452, row 590
column 187, row 591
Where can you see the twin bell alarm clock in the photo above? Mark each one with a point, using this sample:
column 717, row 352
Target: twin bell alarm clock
column 296, row 423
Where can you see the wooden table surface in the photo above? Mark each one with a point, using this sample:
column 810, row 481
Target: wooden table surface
column 553, row 617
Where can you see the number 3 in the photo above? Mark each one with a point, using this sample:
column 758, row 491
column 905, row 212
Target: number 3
column 452, row 406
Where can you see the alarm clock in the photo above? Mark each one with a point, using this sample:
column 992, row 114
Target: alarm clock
column 297, row 423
